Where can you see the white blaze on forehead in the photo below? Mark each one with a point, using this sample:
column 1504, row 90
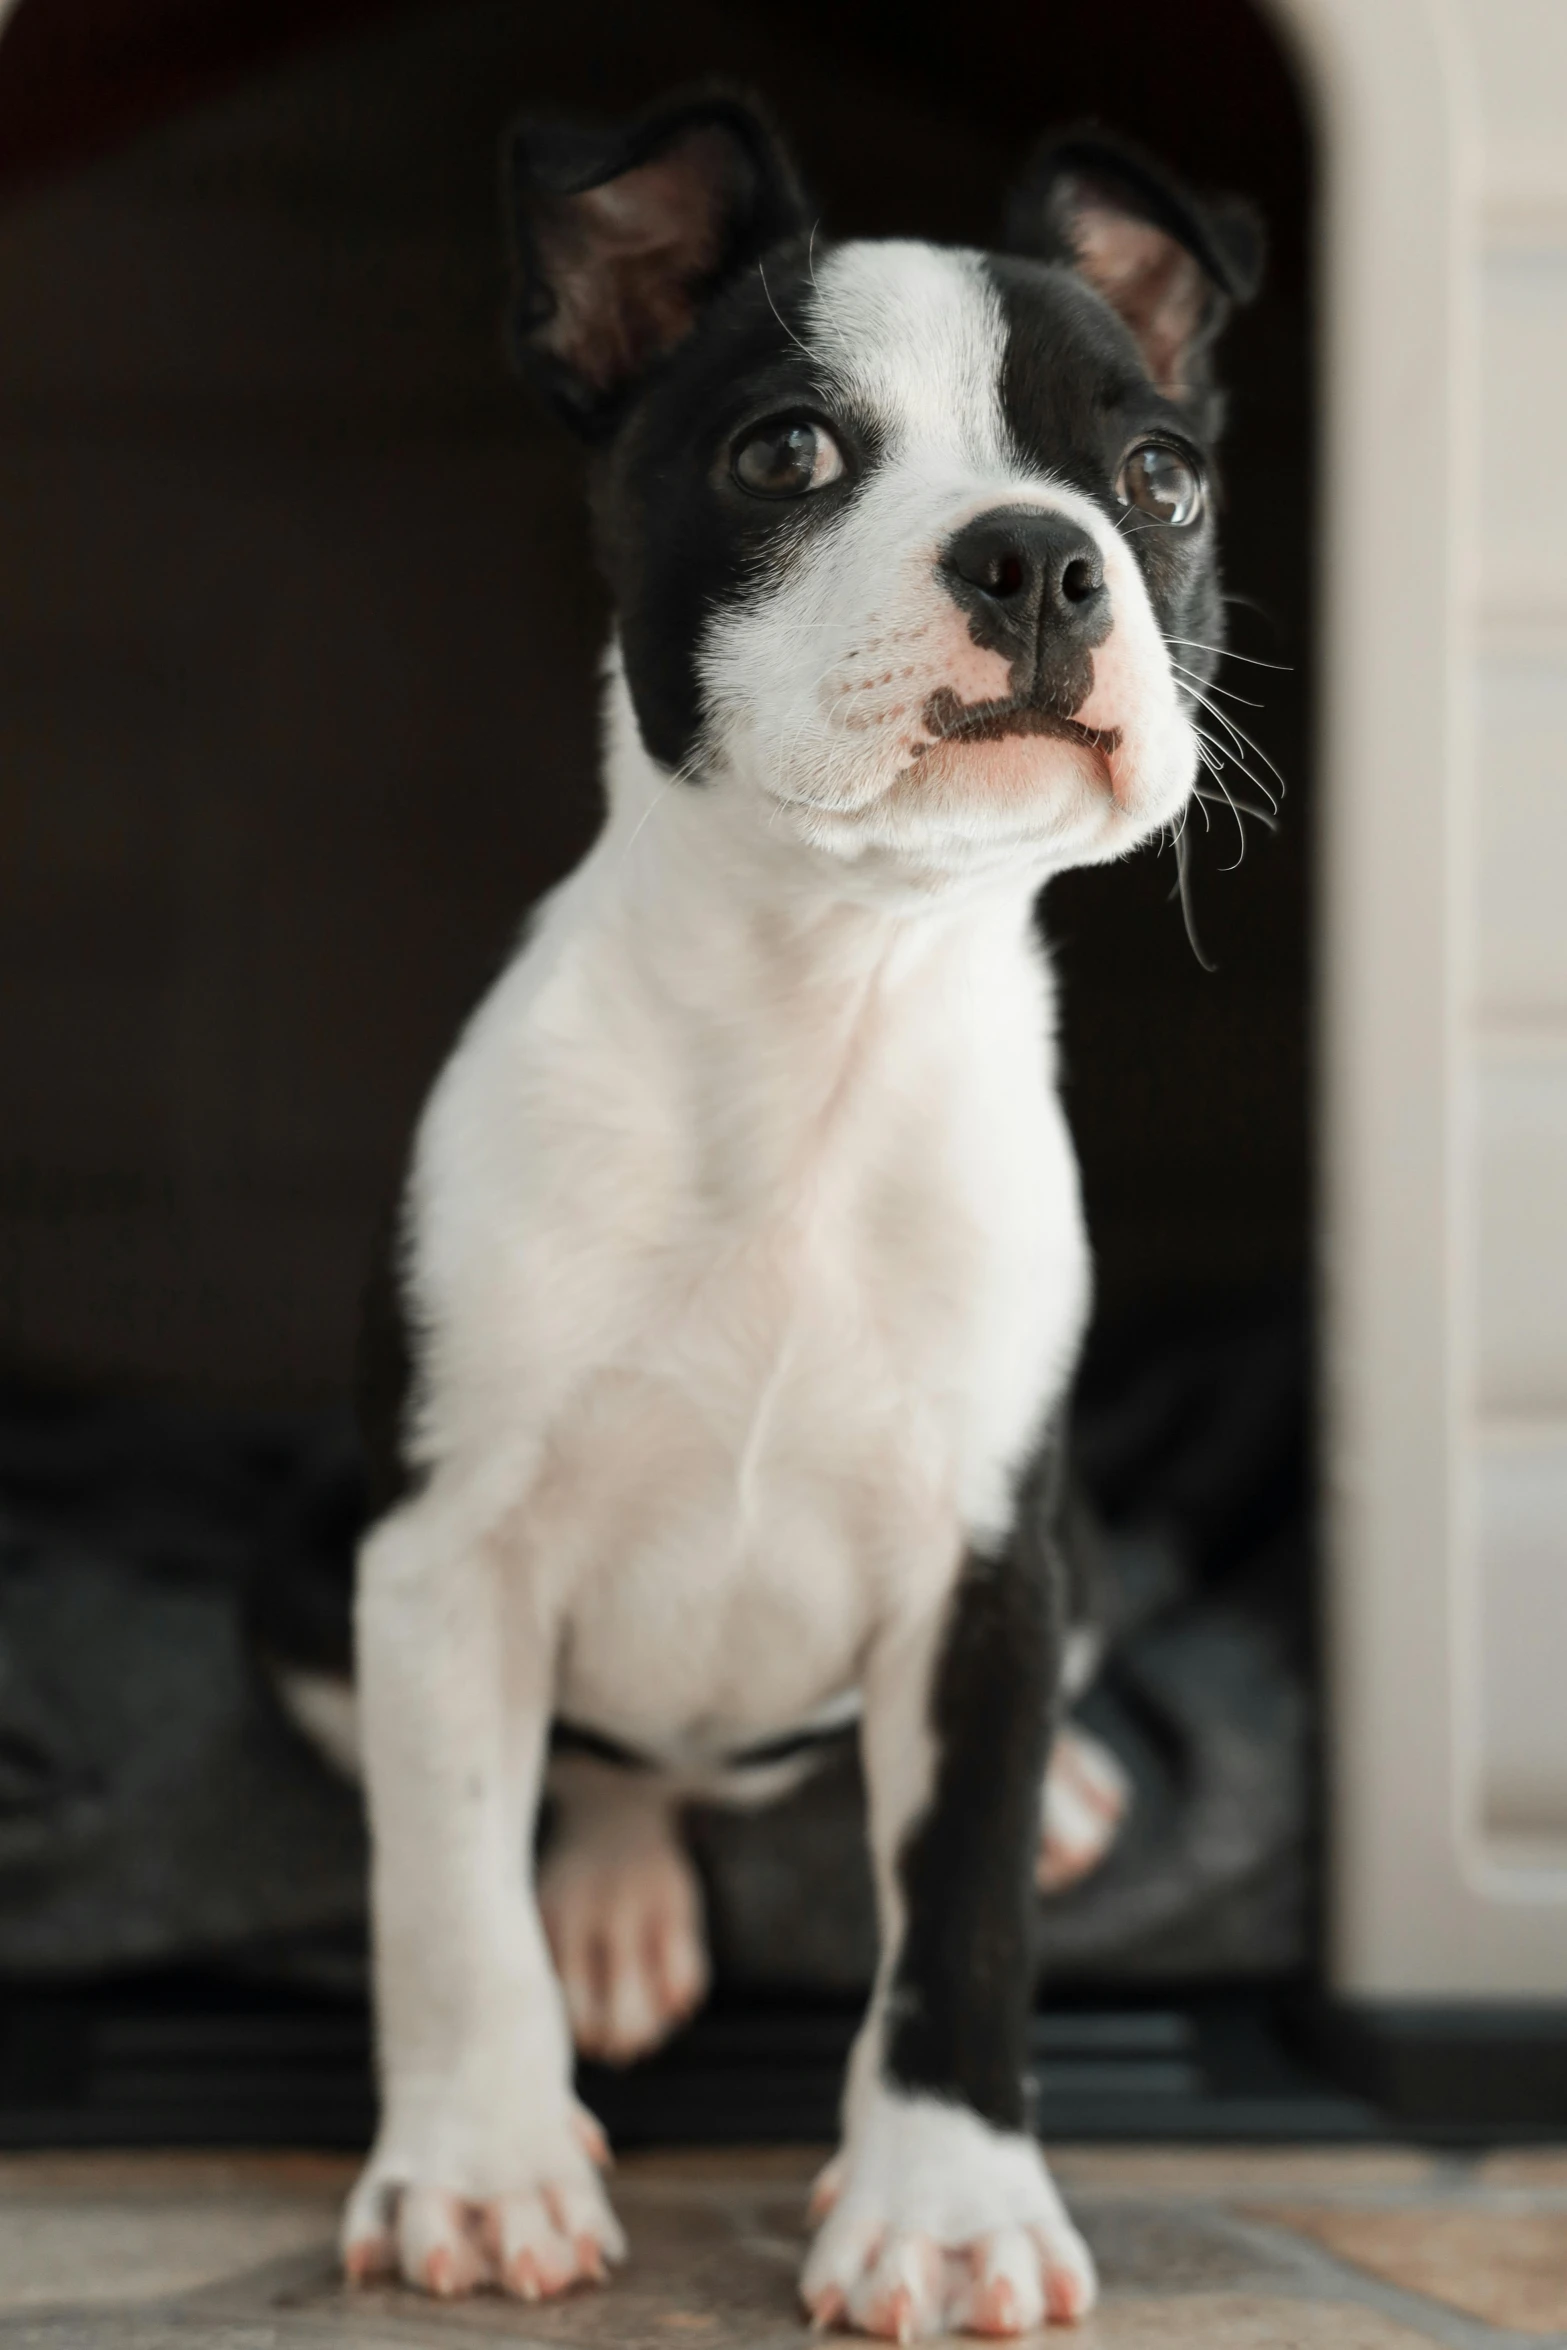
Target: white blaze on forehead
column 918, row 337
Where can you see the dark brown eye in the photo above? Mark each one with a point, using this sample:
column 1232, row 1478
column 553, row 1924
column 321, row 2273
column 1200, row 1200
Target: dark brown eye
column 1162, row 483
column 786, row 460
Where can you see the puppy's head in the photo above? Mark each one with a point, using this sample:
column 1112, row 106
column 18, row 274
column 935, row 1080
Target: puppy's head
column 908, row 543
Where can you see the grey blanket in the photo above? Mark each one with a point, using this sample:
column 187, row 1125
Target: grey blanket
column 157, row 1810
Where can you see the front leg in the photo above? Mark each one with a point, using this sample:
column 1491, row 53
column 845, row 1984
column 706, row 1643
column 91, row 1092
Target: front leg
column 481, row 2171
column 942, row 2213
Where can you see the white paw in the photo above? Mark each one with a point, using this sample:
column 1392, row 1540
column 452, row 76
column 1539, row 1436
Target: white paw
column 622, row 1908
column 548, row 2227
column 939, row 2223
column 1086, row 1797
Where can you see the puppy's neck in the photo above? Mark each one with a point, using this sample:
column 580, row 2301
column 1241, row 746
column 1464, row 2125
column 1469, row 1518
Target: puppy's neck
column 719, row 845
column 780, row 979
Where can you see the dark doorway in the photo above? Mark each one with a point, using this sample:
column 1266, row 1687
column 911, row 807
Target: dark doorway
column 298, row 647
column 298, row 633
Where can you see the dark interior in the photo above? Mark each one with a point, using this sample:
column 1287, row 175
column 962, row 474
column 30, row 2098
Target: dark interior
column 298, row 639
column 298, row 632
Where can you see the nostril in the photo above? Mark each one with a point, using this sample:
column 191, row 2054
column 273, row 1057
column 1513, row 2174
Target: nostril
column 1026, row 567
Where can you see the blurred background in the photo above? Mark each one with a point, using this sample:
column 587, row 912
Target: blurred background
column 298, row 642
column 300, row 632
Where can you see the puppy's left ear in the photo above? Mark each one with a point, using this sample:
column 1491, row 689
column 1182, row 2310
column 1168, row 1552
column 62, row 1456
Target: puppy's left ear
column 1170, row 265
column 620, row 237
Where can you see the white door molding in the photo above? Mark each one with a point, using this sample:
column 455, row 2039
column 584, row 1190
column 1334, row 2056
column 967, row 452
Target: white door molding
column 1419, row 1908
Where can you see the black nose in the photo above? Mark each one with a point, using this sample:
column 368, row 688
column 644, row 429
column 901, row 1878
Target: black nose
column 1031, row 584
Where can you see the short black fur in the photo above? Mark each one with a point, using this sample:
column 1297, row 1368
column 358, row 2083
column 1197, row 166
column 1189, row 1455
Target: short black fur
column 1223, row 234
column 957, row 2019
column 752, row 200
column 1077, row 399
column 676, row 537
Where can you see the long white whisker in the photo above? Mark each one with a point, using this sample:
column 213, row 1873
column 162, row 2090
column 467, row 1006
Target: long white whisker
column 1238, row 734
column 1239, row 743
column 1184, row 890
column 1240, row 829
column 1245, row 807
column 778, row 314
column 1220, row 770
column 1199, row 695
column 1208, row 686
column 666, row 785
column 1191, row 644
column 1236, row 740
column 1213, row 758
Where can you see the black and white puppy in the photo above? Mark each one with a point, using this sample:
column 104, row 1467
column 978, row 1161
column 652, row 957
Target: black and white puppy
column 744, row 1269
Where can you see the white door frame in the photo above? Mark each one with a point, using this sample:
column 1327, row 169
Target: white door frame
column 1419, row 1909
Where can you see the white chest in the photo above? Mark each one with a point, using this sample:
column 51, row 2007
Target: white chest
column 763, row 1271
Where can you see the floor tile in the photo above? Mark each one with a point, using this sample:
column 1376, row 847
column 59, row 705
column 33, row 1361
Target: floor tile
column 709, row 2168
column 51, row 2176
column 1540, row 2168
column 1241, row 2322
column 1224, row 2171
column 190, row 2252
column 705, row 2271
column 1148, row 2247
column 1508, row 2268
column 124, row 2231
column 174, row 2328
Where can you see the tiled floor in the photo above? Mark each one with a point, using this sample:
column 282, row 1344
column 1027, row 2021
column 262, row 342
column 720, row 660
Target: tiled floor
column 1199, row 2250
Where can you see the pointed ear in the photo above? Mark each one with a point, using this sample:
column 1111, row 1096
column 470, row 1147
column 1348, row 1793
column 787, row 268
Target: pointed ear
column 1170, row 266
column 620, row 237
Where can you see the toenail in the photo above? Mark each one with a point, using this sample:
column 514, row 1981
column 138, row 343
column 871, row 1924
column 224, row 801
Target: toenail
column 1066, row 2299
column 998, row 2309
column 827, row 2308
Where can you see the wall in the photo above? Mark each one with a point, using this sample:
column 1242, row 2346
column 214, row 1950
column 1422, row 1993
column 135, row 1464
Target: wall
column 1516, row 1014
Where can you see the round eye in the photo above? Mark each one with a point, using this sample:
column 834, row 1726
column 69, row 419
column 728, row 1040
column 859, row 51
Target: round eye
column 1162, row 483
column 786, row 460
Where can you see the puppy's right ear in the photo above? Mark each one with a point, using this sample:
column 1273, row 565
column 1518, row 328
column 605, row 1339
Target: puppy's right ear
column 1171, row 266
column 620, row 237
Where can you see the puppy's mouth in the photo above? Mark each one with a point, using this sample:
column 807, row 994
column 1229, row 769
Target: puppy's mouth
column 949, row 719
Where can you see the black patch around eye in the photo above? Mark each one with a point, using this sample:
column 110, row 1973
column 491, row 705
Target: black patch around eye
column 1076, row 398
column 1071, row 382
column 677, row 537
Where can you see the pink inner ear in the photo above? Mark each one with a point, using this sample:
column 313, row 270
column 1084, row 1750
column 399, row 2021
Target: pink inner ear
column 1148, row 278
column 628, row 259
